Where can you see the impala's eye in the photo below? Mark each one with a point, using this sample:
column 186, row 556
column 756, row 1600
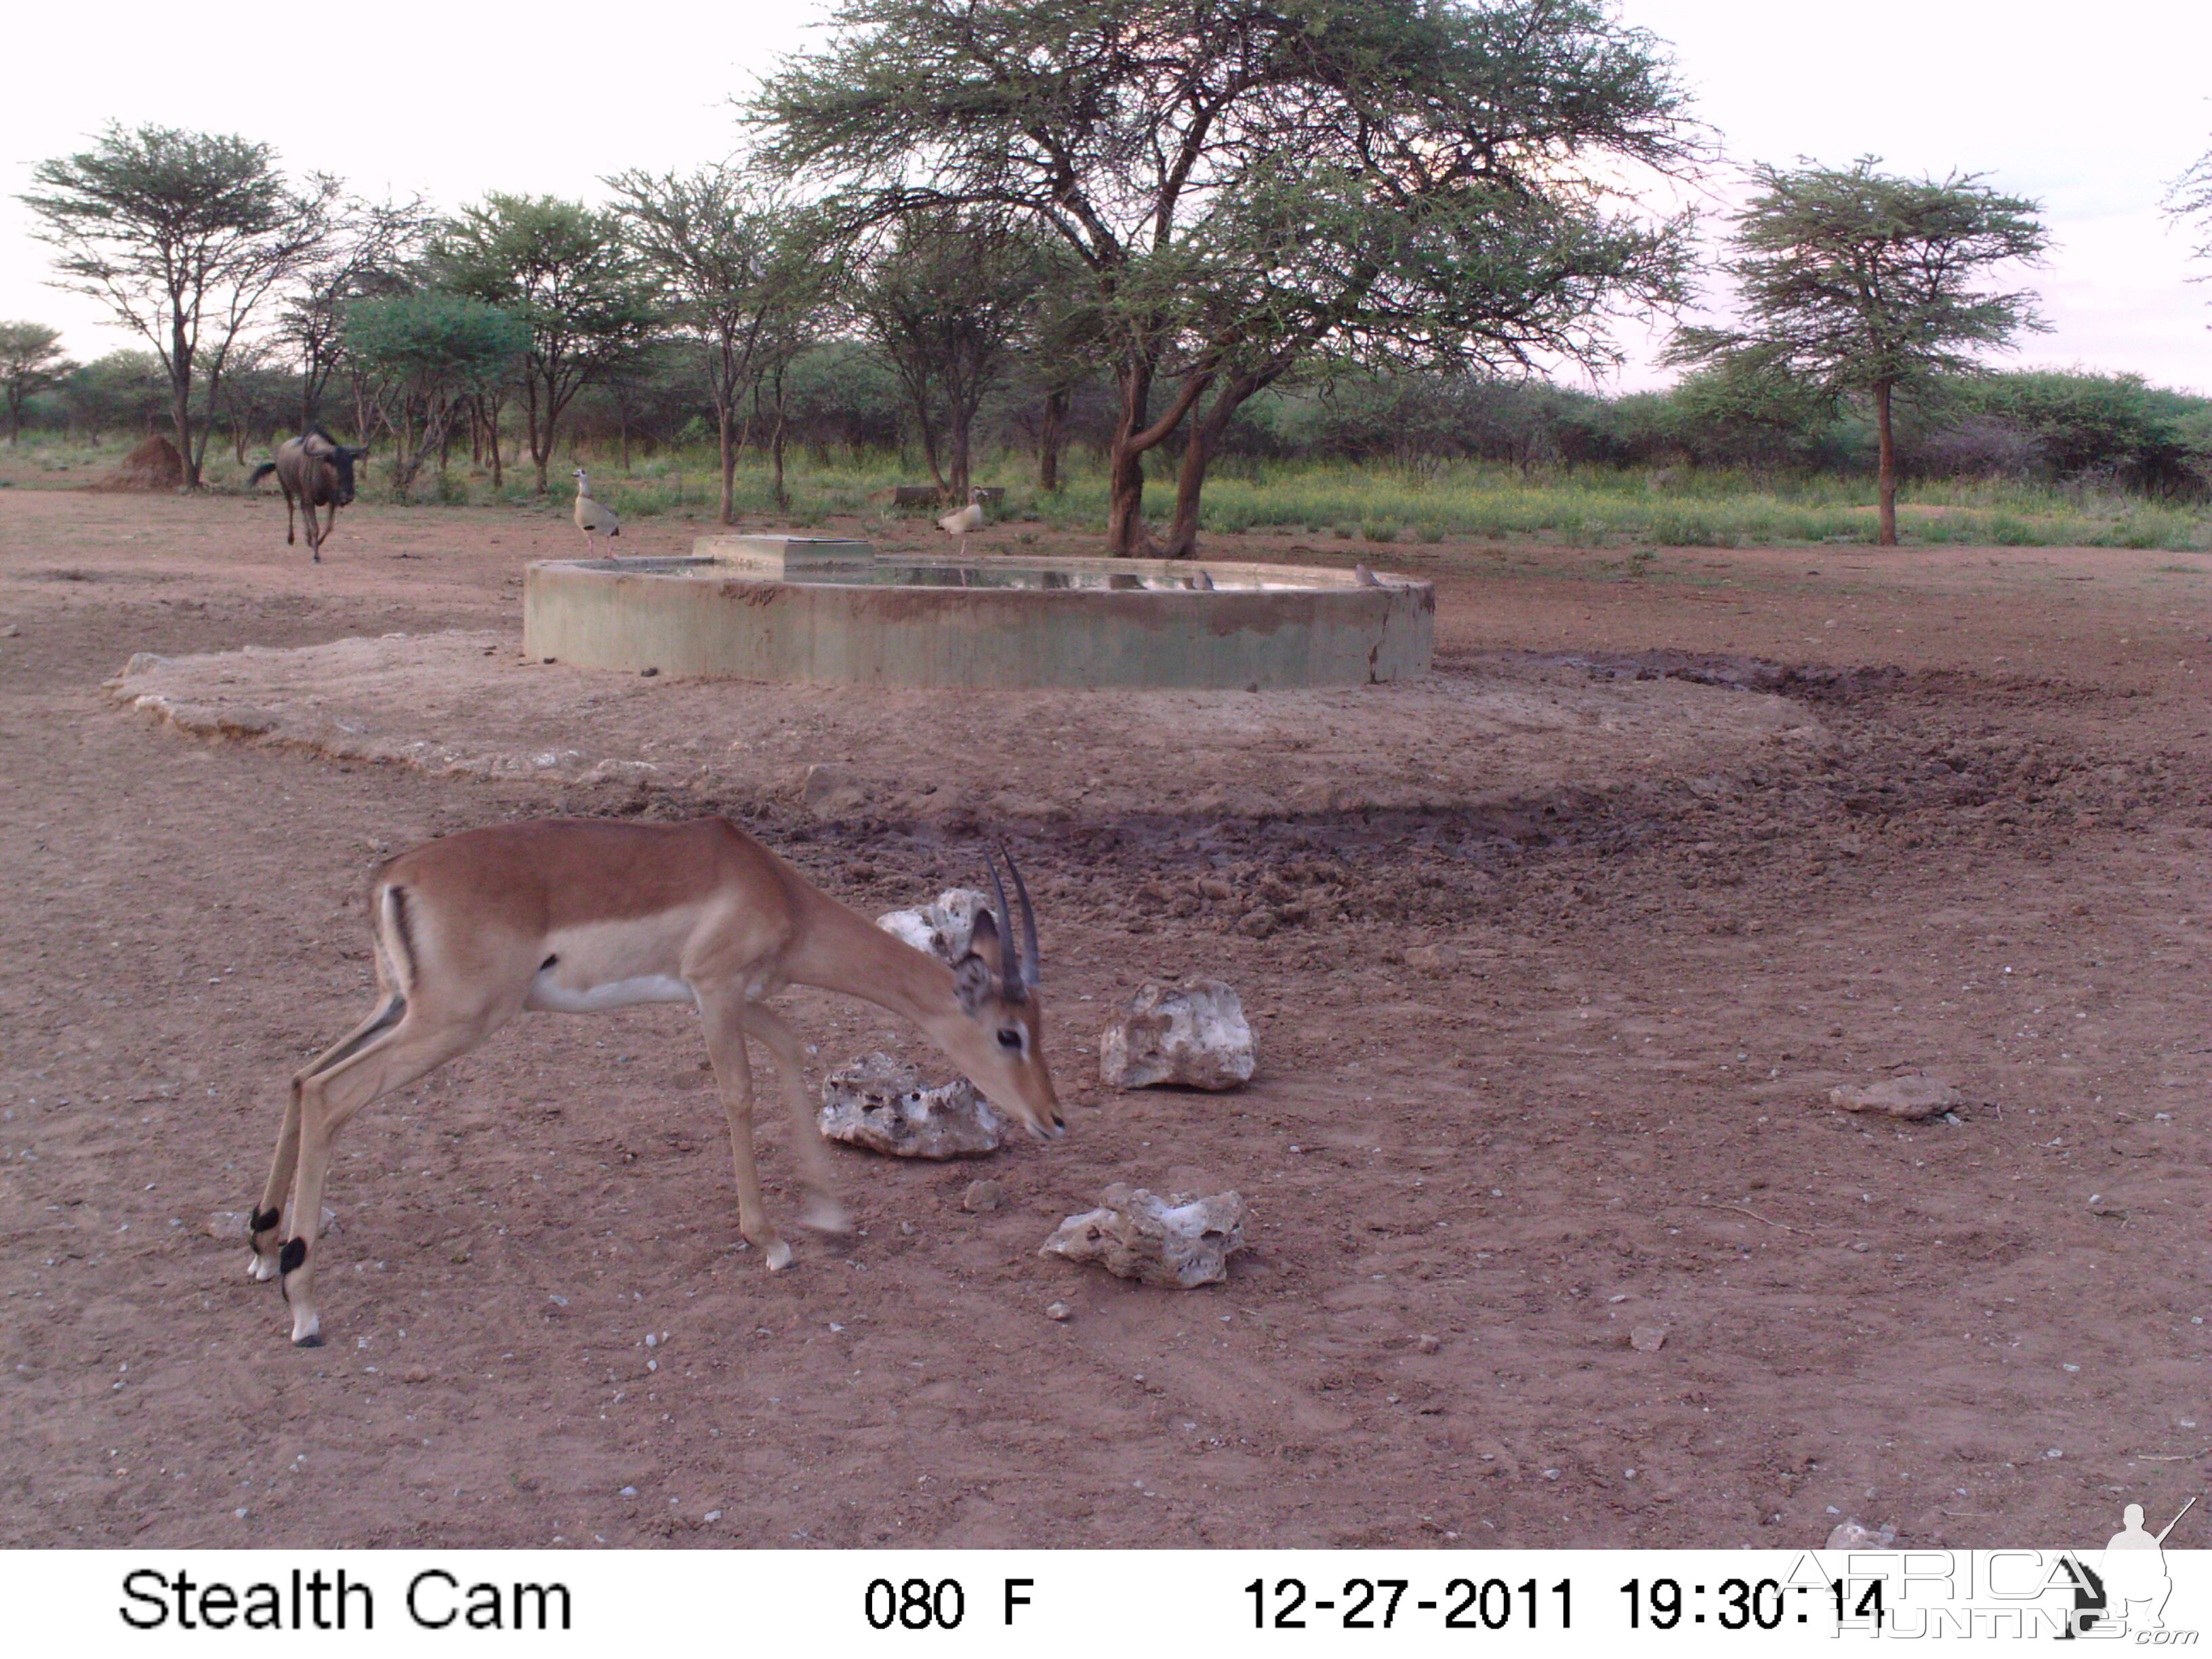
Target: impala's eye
column 1010, row 1038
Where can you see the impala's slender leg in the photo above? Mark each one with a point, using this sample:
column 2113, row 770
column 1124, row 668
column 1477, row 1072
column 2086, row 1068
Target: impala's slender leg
column 724, row 1015
column 824, row 1212
column 263, row 1264
column 390, row 1059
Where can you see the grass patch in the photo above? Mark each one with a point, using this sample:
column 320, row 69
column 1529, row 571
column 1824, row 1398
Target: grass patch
column 1594, row 507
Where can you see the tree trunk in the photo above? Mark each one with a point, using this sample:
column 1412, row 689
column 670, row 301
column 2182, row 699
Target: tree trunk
column 1048, row 440
column 1886, row 486
column 1125, row 483
column 538, row 432
column 1125, row 466
column 956, row 442
column 1197, row 457
column 728, row 457
column 1125, row 502
column 181, row 401
column 775, row 447
column 929, row 445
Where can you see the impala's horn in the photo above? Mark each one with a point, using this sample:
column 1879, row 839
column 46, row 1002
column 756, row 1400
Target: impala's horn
column 1032, row 969
column 1017, row 963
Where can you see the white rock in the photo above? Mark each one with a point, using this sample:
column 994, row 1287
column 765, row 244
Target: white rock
column 944, row 929
column 1179, row 1243
column 915, row 927
column 832, row 792
column 1855, row 1535
column 879, row 1103
column 954, row 915
column 1909, row 1096
column 1194, row 1035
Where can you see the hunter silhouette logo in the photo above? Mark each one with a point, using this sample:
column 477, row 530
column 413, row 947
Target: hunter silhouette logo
column 2119, row 1594
column 2135, row 1581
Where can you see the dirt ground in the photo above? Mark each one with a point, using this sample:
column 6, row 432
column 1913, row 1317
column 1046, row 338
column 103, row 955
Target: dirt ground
column 1553, row 959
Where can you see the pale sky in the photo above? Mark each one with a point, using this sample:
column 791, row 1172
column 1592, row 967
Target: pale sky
column 2090, row 109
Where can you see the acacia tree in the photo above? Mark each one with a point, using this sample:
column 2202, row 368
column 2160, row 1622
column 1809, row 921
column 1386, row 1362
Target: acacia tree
column 736, row 268
column 1855, row 283
column 424, row 356
column 2190, row 197
column 1245, row 184
column 371, row 247
column 567, row 272
column 943, row 301
column 31, row 360
column 185, row 236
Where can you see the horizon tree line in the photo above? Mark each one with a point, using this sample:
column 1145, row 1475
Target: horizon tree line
column 1208, row 218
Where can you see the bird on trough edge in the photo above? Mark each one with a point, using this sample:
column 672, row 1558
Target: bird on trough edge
column 963, row 521
column 1365, row 577
column 592, row 518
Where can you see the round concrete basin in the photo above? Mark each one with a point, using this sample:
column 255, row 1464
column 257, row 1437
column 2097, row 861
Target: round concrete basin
column 833, row 613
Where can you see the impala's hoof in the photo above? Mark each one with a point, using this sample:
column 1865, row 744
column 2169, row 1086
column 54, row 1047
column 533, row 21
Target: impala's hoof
column 779, row 1256
column 260, row 1269
column 827, row 1215
column 312, row 1339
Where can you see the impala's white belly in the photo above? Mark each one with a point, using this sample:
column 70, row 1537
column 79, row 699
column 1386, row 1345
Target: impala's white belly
column 548, row 995
column 602, row 966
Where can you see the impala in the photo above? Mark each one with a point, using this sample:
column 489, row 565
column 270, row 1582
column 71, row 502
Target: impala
column 578, row 915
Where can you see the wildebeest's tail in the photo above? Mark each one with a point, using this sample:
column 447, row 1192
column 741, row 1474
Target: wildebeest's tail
column 259, row 473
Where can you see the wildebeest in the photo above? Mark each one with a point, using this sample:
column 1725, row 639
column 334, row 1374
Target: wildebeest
column 318, row 469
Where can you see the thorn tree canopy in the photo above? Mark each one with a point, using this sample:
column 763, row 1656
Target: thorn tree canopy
column 420, row 358
column 944, row 300
column 1247, row 184
column 184, row 236
column 567, row 272
column 1855, row 283
column 2190, row 197
column 736, row 265
column 31, row 360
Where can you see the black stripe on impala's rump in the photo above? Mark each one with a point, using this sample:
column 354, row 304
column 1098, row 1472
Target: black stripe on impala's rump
column 403, row 941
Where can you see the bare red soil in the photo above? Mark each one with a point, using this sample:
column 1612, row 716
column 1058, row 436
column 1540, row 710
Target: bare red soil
column 1554, row 961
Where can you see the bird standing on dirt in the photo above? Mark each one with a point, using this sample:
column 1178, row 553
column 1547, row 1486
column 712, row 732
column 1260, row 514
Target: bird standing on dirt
column 592, row 519
column 965, row 520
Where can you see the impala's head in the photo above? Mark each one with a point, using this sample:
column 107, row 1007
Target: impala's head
column 996, row 982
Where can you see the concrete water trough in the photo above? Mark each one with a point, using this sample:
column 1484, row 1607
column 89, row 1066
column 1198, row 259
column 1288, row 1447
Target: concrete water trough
column 833, row 612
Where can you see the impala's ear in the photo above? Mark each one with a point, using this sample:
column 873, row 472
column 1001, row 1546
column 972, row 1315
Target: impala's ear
column 972, row 982
column 976, row 977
